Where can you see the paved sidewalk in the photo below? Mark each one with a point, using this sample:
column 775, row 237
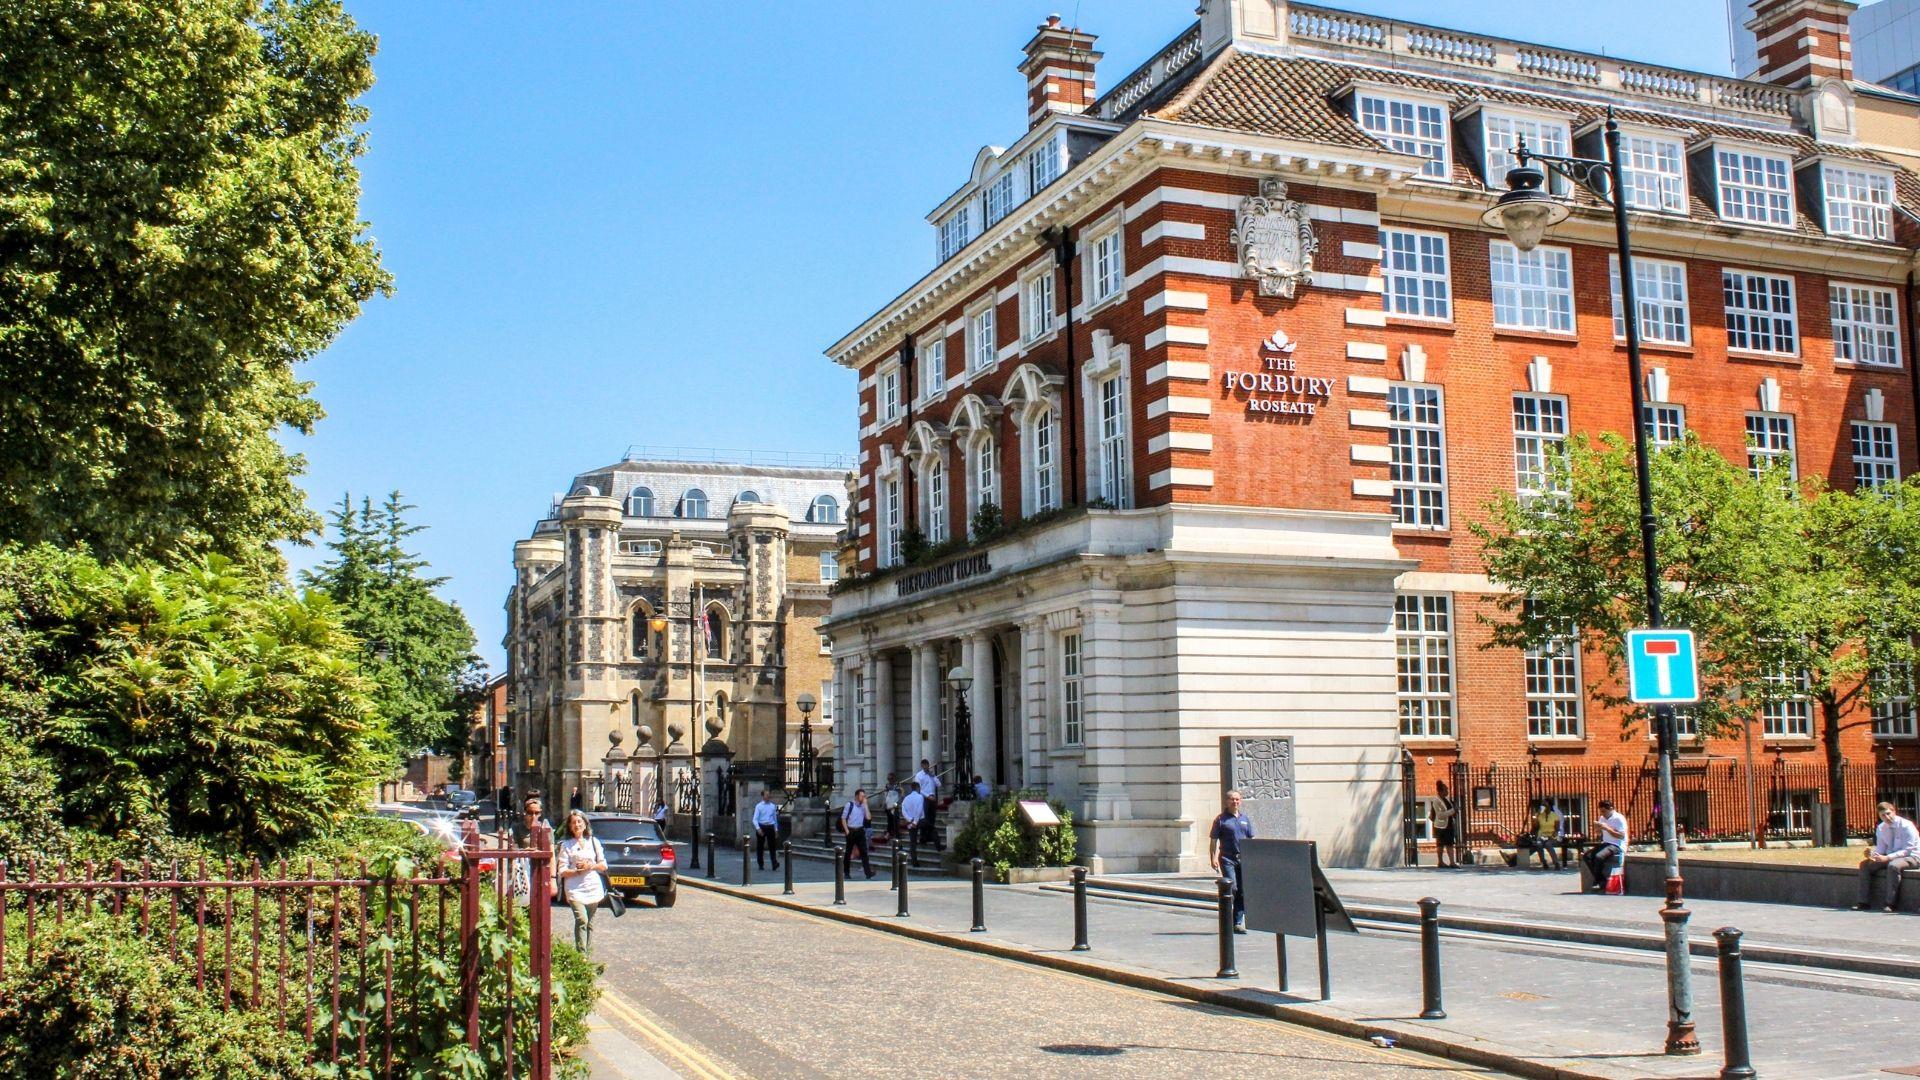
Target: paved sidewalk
column 1545, row 1008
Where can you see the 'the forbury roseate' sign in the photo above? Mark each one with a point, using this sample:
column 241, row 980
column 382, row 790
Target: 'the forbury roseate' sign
column 1278, row 387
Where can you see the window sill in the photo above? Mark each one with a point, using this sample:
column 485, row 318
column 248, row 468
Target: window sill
column 1442, row 531
column 1099, row 306
column 1786, row 742
column 1078, row 750
column 1430, row 321
column 1783, row 359
column 1863, row 365
column 1550, row 742
column 1030, row 344
column 1521, row 333
column 1429, row 742
column 1665, row 347
column 1896, row 738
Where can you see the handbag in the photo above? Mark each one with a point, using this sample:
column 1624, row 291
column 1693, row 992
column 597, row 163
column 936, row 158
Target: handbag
column 609, row 899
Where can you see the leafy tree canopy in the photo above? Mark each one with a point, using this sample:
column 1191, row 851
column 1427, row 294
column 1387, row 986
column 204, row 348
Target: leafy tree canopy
column 417, row 648
column 1790, row 589
column 179, row 225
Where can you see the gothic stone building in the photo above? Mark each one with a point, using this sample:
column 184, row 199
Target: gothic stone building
column 1234, row 361
column 662, row 604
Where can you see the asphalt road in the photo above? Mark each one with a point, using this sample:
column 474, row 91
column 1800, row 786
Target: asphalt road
column 719, row 987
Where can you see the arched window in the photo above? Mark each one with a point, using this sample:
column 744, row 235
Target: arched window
column 719, row 708
column 824, row 511
column 933, row 500
column 1043, row 470
column 716, row 633
column 693, row 504
column 747, row 496
column 641, row 639
column 634, row 698
column 984, row 457
column 640, row 502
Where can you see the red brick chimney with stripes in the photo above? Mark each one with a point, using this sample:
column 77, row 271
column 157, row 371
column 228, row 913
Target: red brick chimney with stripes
column 1802, row 41
column 1059, row 71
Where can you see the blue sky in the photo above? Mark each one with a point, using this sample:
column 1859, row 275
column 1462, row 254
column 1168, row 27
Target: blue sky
column 639, row 223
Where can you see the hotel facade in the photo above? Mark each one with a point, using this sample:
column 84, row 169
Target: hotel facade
column 1176, row 448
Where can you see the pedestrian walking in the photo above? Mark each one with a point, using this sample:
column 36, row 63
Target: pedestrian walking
column 1223, row 851
column 1602, row 857
column 532, row 813
column 913, row 808
column 660, row 816
column 1896, row 847
column 891, row 801
column 1442, row 812
column 577, row 869
column 766, row 832
column 853, row 822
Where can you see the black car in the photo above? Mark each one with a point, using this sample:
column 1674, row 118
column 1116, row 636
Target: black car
column 639, row 859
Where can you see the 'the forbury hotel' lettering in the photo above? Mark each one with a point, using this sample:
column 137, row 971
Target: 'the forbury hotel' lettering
column 945, row 574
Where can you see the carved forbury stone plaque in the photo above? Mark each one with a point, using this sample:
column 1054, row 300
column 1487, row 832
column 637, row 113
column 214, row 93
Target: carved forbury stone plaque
column 1261, row 769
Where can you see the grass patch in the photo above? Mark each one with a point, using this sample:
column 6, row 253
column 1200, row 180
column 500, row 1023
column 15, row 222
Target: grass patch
column 1793, row 856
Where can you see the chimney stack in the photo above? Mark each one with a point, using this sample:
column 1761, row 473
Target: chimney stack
column 1802, row 41
column 1059, row 71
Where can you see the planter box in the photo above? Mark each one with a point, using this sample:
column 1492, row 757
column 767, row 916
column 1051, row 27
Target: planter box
column 1762, row 882
column 1026, row 875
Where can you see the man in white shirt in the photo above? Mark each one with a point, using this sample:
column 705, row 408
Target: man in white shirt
column 913, row 808
column 1611, row 832
column 929, row 787
column 853, row 822
column 766, row 831
column 1896, row 847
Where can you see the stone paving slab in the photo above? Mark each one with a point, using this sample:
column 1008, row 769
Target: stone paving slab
column 1551, row 1009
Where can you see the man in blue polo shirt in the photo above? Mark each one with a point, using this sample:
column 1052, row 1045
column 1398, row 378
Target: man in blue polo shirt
column 1223, row 850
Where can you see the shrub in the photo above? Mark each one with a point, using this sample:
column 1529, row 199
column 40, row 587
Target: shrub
column 100, row 1003
column 987, row 522
column 997, row 834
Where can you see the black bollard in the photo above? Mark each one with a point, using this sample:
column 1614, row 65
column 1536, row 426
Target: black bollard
column 1227, row 968
column 746, row 865
column 786, row 852
column 713, row 862
column 899, row 868
column 1733, row 1007
column 979, row 897
column 693, row 833
column 840, row 854
column 1430, row 1008
column 1080, row 909
column 901, row 910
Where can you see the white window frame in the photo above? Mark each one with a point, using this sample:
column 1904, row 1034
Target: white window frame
column 829, row 569
column 1046, row 163
column 1792, row 717
column 1106, row 266
column 1417, row 449
column 1072, row 688
column 1416, row 270
column 826, row 701
column 933, row 367
column 1655, row 168
column 1765, row 443
column 891, row 525
column 1423, row 650
column 1110, row 440
column 1858, row 202
column 1002, row 195
column 1666, row 423
column 1408, row 125
column 983, row 473
column 1539, row 284
column 1879, row 465
column 1893, row 713
column 1768, row 324
column 1865, row 324
column 1039, row 304
column 956, row 231
column 1540, row 430
column 1041, row 489
column 886, row 387
column 1754, row 200
column 1555, row 702
column 933, row 499
column 983, row 337
column 1500, row 129
column 1660, row 291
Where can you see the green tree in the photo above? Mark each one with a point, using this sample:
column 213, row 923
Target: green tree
column 198, row 702
column 1774, row 578
column 179, row 225
column 417, row 648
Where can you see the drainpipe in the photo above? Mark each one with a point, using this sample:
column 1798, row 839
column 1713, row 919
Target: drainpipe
column 909, row 506
column 1061, row 237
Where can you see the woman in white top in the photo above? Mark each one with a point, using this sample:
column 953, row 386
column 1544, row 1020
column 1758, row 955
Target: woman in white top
column 578, row 865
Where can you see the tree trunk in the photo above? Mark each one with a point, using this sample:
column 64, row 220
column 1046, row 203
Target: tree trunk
column 1836, row 770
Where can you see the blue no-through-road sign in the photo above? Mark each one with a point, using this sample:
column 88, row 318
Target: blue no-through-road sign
column 1662, row 668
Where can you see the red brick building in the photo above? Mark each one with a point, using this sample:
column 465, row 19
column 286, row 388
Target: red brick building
column 1229, row 350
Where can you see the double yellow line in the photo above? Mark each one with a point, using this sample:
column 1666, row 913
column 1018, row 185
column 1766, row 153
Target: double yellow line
column 686, row 1058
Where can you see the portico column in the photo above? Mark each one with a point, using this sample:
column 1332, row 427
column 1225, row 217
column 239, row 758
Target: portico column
column 880, row 693
column 986, row 749
column 926, row 712
column 1032, row 666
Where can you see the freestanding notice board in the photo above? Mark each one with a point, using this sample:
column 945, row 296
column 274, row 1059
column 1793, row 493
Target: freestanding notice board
column 1288, row 896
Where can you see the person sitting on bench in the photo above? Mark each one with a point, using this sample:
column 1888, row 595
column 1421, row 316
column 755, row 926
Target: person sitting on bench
column 1601, row 858
column 1896, row 847
column 1539, row 840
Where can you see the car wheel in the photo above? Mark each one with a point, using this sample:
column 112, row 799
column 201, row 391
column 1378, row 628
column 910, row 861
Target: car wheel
column 665, row 897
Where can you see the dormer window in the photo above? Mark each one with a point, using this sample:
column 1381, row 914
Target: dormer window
column 955, row 232
column 1505, row 131
column 1754, row 187
column 1408, row 126
column 1001, row 196
column 1859, row 202
column 693, row 504
column 1045, row 164
column 1656, row 173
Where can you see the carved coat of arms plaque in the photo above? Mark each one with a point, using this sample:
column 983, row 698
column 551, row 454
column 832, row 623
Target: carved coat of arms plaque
column 1275, row 240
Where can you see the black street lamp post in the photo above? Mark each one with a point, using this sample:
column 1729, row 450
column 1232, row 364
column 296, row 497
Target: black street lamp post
column 809, row 785
column 960, row 679
column 1525, row 213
